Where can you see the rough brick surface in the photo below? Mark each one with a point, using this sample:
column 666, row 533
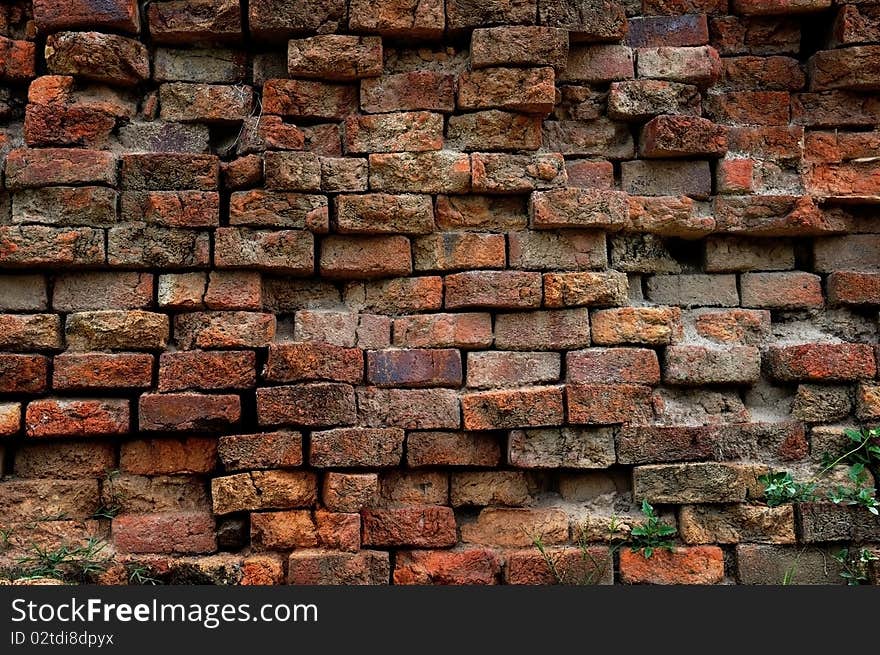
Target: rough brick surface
column 380, row 291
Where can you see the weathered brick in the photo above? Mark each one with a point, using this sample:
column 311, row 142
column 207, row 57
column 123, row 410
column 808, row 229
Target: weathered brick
column 476, row 212
column 596, row 138
column 97, row 57
column 452, row 449
column 493, row 289
column 399, row 18
column 424, row 527
column 699, row 65
column 635, row 325
column 426, row 172
column 529, row 90
column 81, row 371
column 853, row 288
column 30, row 168
column 414, row 368
column 731, row 524
column 735, row 254
column 168, row 456
column 659, row 31
column 309, row 99
column 606, row 404
column 581, row 208
column 94, row 291
column 666, row 178
column 544, row 330
column 10, row 419
column 408, row 91
column 284, row 251
column 379, row 213
column 327, row 567
column 519, row 46
column 172, row 532
column 575, row 448
column 516, row 527
column 64, row 418
column 691, row 483
column 170, row 172
column 299, row 362
column 313, row 405
column 585, row 289
column 694, row 290
column 820, row 362
column 598, row 63
column 205, row 103
column 494, row 130
column 52, row 16
column 587, row 174
column 263, row 490
column 612, row 366
column 283, row 530
column 639, row 100
column 335, row 57
column 682, row 136
column 684, row 565
column 188, row 411
column 356, row 448
column 853, row 68
column 201, row 370
column 24, row 332
column 585, row 21
column 366, row 257
column 184, row 21
column 116, row 330
column 29, row 500
column 697, row 365
column 573, row 566
column 223, row 329
column 23, row 373
column 515, row 408
column 349, row 492
column 795, row 290
column 776, row 565
column 258, row 208
column 266, row 450
column 509, row 173
column 394, row 132
column 472, row 566
column 462, row 330
column 412, row 409
column 487, row 370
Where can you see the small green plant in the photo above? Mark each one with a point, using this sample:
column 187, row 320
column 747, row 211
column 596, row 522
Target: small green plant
column 67, row 562
column 855, row 564
column 781, row 488
column 652, row 535
column 859, row 493
column 111, row 496
column 866, row 450
column 140, row 575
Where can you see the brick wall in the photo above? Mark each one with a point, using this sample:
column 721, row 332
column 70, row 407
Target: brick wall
column 378, row 291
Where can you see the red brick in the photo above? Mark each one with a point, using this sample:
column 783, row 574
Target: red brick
column 478, row 213
column 764, row 73
column 22, row 332
column 262, row 570
column 607, row 404
column 37, row 245
column 853, row 68
column 573, row 566
column 734, row 326
column 516, row 527
column 612, row 366
column 266, row 450
column 299, row 362
column 512, row 173
column 428, row 526
column 854, row 288
column 29, row 500
column 699, row 65
column 598, row 63
column 684, row 565
column 116, row 330
column 283, row 530
column 496, row 369
column 17, row 60
column 774, row 142
column 188, row 411
column 259, row 208
column 821, row 362
column 462, row 330
column 10, row 419
column 698, row 365
column 749, row 107
column 224, row 330
column 335, row 57
column 234, row 290
column 349, row 492
column 283, row 251
column 545, row 330
column 170, row 171
column 855, row 24
column 493, row 290
column 81, row 371
column 356, row 448
column 587, row 174
column 23, row 373
column 172, row 208
column 399, row 18
column 81, row 418
column 635, row 325
column 263, row 490
column 104, row 58
column 420, row 172
column 794, row 290
column 307, row 99
column 313, row 405
column 326, row 567
column 173, row 532
column 515, row 408
column 402, row 295
column 472, row 566
column 413, row 131
column 771, row 216
column 452, row 449
column 26, row 168
column 580, row 289
column 412, row 409
column 529, row 90
column 408, row 91
column 185, row 21
column 341, row 531
column 70, row 459
column 660, row 31
column 682, row 136
column 168, row 456
column 201, row 370
column 52, row 16
column 573, row 207
column 94, row 291
column 365, row 257
column 414, row 368
column 379, row 213
column 736, row 176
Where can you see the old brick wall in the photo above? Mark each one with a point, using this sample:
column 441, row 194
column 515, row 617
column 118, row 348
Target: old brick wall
column 371, row 291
